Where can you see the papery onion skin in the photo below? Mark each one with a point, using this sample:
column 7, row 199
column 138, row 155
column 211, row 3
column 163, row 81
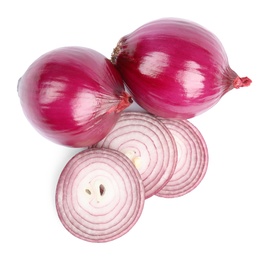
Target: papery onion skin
column 72, row 95
column 96, row 214
column 175, row 68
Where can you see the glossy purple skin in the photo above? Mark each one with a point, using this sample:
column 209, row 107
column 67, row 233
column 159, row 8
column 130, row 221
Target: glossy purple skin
column 174, row 68
column 71, row 94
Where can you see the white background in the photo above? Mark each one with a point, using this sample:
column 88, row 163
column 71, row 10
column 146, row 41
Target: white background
column 226, row 217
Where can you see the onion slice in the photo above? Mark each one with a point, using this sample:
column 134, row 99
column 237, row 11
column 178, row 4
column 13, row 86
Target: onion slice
column 192, row 158
column 99, row 195
column 148, row 144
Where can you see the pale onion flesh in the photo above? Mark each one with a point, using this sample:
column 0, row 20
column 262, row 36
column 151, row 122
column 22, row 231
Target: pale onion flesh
column 148, row 144
column 99, row 195
column 192, row 160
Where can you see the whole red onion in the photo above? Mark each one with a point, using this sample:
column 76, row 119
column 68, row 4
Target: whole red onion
column 175, row 68
column 73, row 96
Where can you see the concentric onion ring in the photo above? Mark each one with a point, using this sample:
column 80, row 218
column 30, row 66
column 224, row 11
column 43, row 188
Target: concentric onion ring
column 192, row 158
column 99, row 195
column 148, row 144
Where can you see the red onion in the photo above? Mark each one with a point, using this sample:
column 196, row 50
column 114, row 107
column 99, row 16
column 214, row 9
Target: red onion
column 148, row 144
column 73, row 96
column 175, row 68
column 192, row 158
column 99, row 195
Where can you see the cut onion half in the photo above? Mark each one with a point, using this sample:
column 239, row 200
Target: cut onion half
column 192, row 158
column 99, row 195
column 148, row 143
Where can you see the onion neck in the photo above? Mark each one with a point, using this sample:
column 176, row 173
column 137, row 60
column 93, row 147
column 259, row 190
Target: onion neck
column 241, row 82
column 231, row 80
column 125, row 101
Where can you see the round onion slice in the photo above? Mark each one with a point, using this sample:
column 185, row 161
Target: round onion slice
column 148, row 143
column 99, row 195
column 192, row 158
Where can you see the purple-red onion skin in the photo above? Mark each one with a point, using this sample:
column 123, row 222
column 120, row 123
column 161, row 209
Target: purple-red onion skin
column 72, row 96
column 174, row 68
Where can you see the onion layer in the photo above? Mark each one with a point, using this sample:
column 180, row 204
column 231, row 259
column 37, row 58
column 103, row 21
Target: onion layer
column 148, row 144
column 192, row 158
column 99, row 195
column 175, row 68
column 73, row 96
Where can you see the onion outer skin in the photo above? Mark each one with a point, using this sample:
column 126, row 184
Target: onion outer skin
column 192, row 162
column 72, row 96
column 152, row 142
column 99, row 219
column 175, row 68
